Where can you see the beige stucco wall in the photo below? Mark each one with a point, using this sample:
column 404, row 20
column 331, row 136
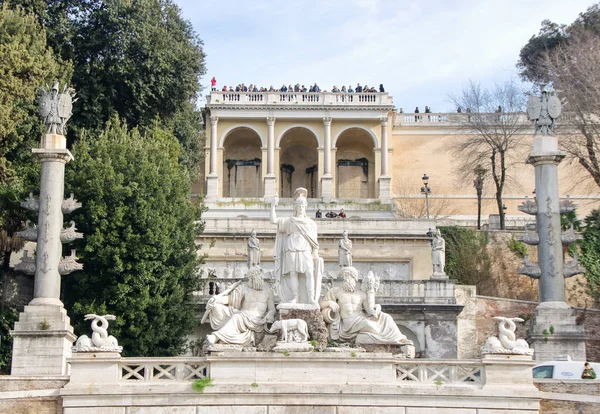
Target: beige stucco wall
column 418, row 152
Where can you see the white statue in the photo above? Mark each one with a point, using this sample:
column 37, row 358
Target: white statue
column 253, row 250
column 352, row 314
column 438, row 253
column 292, row 330
column 100, row 341
column 506, row 342
column 296, row 253
column 240, row 311
column 345, row 251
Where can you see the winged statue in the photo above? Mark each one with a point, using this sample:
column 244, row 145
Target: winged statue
column 544, row 110
column 56, row 107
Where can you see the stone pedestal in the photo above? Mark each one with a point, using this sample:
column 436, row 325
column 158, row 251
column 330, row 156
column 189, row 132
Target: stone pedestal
column 270, row 188
column 212, row 187
column 311, row 314
column 385, row 192
column 509, row 371
column 327, row 188
column 94, row 367
column 553, row 332
column 42, row 341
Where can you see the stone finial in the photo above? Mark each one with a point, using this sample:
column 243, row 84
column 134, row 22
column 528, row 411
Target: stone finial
column 68, row 264
column 544, row 111
column 31, row 203
column 506, row 342
column 100, row 341
column 69, row 234
column 27, row 264
column 30, row 233
column 70, row 204
column 573, row 267
column 528, row 207
column 528, row 268
column 55, row 107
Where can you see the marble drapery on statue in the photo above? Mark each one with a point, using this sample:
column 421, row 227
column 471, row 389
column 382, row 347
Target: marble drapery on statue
column 345, row 251
column 253, row 250
column 296, row 253
column 438, row 253
column 243, row 309
column 353, row 316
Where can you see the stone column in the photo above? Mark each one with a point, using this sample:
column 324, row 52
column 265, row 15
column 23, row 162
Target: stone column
column 553, row 330
column 43, row 336
column 327, row 179
column 384, row 179
column 270, row 179
column 212, row 181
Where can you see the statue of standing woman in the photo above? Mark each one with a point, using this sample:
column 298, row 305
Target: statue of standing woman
column 345, row 251
column 253, row 250
column 296, row 253
column 438, row 253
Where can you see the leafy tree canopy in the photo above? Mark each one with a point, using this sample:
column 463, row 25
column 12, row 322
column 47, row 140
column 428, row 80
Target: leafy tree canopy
column 590, row 252
column 138, row 252
column 550, row 36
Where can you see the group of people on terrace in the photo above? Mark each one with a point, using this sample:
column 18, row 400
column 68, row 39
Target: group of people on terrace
column 297, row 88
column 331, row 214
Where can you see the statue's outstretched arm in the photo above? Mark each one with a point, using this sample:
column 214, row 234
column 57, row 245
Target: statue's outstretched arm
column 273, row 216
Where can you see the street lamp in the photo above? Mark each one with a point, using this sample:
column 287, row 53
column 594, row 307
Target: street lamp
column 426, row 190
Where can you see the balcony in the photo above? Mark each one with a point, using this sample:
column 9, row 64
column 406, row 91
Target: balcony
column 454, row 118
column 312, row 99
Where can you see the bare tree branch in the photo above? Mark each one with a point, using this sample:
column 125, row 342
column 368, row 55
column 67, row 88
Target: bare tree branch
column 489, row 133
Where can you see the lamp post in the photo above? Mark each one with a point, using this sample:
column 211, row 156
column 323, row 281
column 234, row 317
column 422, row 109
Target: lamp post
column 426, row 190
column 478, row 184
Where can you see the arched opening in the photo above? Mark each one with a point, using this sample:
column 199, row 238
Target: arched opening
column 355, row 163
column 298, row 160
column 242, row 164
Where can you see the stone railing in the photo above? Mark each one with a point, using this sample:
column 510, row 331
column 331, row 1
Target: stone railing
column 300, row 98
column 454, row 118
column 162, row 369
column 441, row 372
column 390, row 291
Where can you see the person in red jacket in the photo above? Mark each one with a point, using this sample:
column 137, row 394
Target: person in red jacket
column 213, row 84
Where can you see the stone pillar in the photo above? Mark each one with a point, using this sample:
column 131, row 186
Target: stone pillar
column 327, row 179
column 43, row 335
column 553, row 329
column 212, row 180
column 270, row 179
column 385, row 193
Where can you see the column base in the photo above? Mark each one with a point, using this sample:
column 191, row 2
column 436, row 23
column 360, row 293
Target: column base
column 42, row 341
column 554, row 331
column 385, row 192
column 212, row 187
column 270, row 188
column 327, row 188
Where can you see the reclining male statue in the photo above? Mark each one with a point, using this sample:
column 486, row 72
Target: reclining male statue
column 240, row 311
column 353, row 316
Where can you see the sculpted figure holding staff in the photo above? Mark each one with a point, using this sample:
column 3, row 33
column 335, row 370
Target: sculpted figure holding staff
column 296, row 253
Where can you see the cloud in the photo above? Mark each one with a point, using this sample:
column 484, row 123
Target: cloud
column 421, row 51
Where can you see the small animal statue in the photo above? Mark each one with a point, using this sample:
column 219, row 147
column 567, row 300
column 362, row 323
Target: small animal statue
column 288, row 326
column 100, row 337
column 506, row 340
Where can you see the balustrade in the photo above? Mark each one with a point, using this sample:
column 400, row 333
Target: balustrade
column 446, row 372
column 163, row 369
column 300, row 98
column 390, row 291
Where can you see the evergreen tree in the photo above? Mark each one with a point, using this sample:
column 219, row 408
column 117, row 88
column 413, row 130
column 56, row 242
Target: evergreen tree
column 590, row 252
column 26, row 63
column 139, row 251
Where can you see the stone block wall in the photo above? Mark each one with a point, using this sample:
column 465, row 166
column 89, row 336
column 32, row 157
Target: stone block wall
column 475, row 323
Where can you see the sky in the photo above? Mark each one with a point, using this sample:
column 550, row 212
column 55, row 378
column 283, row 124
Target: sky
column 421, row 51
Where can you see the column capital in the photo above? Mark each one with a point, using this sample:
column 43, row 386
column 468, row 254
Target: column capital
column 384, row 121
column 214, row 120
column 271, row 120
column 327, row 121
